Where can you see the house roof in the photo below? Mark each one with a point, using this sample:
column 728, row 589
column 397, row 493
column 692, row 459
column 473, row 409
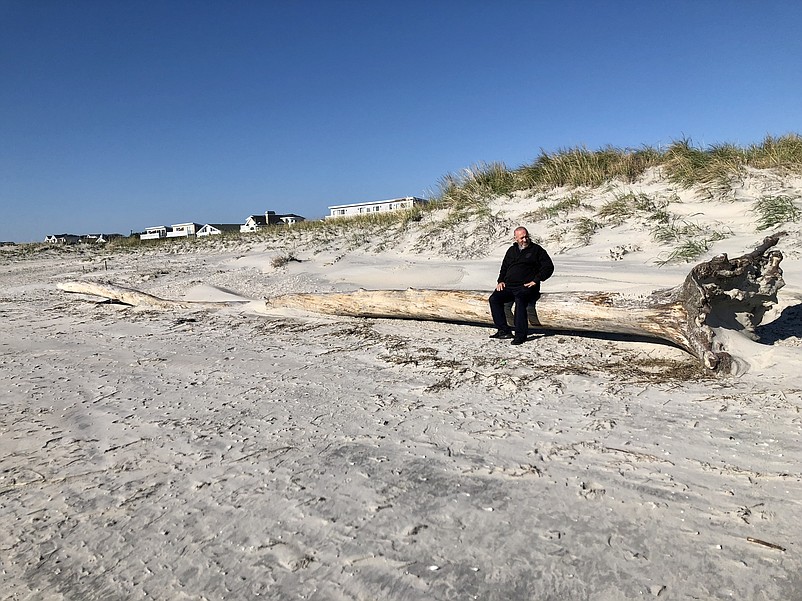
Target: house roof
column 223, row 226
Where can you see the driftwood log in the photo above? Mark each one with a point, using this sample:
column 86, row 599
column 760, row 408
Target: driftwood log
column 720, row 293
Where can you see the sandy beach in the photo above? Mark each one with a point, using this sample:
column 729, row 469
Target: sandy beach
column 248, row 454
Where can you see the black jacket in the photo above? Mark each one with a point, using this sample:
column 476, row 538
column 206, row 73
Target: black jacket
column 531, row 264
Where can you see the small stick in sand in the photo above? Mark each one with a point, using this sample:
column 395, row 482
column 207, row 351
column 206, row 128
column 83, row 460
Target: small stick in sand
column 757, row 541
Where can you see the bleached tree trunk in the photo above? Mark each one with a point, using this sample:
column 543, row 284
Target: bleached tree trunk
column 722, row 292
column 135, row 298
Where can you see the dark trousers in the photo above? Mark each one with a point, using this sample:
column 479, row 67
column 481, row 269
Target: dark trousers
column 522, row 297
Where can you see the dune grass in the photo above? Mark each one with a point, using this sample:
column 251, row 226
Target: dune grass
column 784, row 153
column 772, row 211
column 283, row 259
column 627, row 206
column 562, row 208
column 713, row 169
column 584, row 228
column 575, row 167
column 466, row 195
column 690, row 240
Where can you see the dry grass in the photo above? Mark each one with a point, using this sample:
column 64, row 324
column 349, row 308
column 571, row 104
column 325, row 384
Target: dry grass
column 714, row 170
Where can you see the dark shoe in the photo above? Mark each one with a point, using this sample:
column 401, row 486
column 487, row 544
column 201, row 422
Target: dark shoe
column 501, row 335
column 518, row 341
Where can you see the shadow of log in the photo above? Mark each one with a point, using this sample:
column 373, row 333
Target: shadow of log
column 607, row 336
column 787, row 325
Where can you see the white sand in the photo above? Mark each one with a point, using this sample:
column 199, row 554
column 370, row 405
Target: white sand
column 242, row 455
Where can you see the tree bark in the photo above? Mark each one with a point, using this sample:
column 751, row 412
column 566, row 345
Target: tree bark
column 722, row 292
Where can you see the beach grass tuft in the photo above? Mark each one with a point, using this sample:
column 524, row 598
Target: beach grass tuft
column 575, row 167
column 783, row 153
column 562, row 208
column 585, row 227
column 630, row 205
column 690, row 240
column 714, row 170
column 283, row 259
column 775, row 210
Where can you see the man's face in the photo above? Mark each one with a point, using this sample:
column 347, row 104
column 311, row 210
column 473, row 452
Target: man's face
column 521, row 238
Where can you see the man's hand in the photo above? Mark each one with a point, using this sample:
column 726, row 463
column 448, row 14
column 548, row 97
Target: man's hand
column 500, row 286
column 528, row 284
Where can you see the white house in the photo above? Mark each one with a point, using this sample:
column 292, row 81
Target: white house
column 215, row 229
column 258, row 222
column 376, row 206
column 183, row 230
column 154, row 233
column 290, row 218
column 254, row 223
column 99, row 238
column 62, row 239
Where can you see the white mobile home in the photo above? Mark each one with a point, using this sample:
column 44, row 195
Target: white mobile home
column 376, row 206
column 154, row 233
column 183, row 230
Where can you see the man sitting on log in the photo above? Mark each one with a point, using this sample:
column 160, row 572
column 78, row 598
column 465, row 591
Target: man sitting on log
column 525, row 265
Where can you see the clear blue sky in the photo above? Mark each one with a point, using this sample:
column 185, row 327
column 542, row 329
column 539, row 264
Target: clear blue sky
column 119, row 115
